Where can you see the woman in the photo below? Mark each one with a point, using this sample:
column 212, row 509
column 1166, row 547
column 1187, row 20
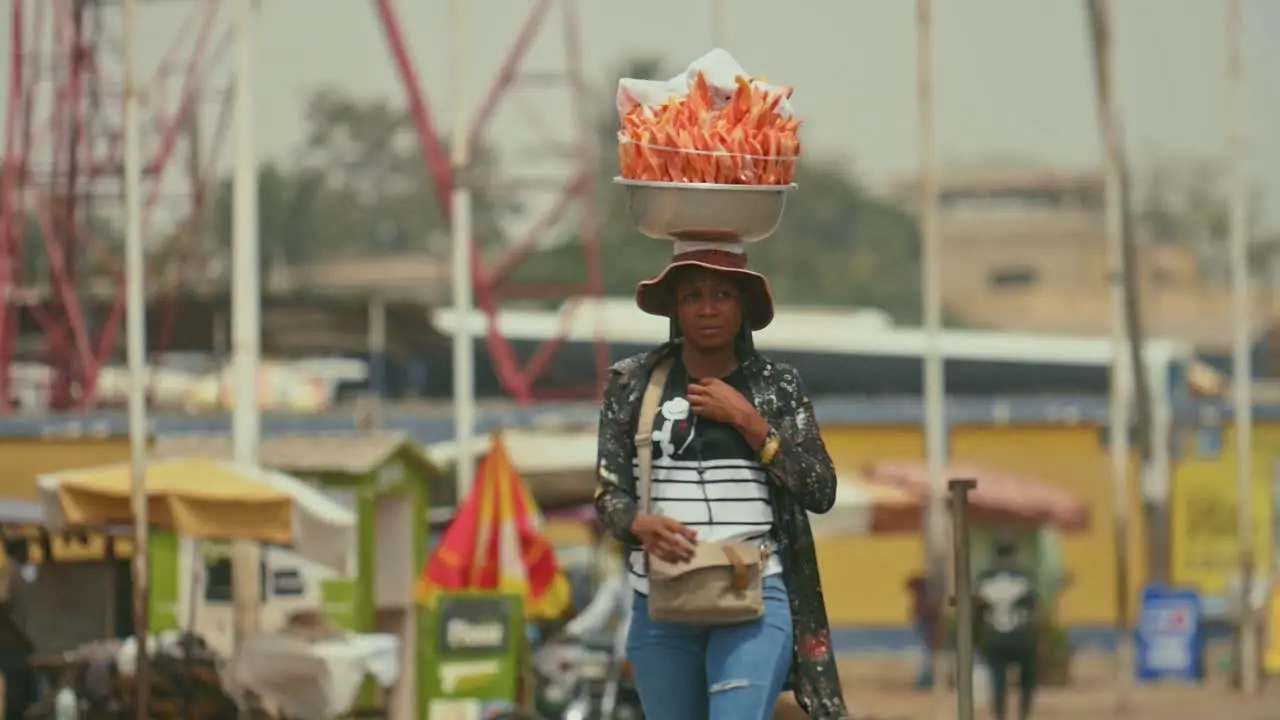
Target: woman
column 736, row 456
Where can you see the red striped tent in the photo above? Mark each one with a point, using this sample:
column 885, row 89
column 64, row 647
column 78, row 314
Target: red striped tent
column 495, row 542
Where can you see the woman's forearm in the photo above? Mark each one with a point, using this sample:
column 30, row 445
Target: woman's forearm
column 617, row 510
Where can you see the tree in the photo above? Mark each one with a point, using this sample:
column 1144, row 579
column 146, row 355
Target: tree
column 837, row 245
column 369, row 150
column 355, row 187
column 1183, row 200
column 292, row 210
column 101, row 243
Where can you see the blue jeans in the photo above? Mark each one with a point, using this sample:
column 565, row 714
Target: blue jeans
column 924, row 673
column 712, row 672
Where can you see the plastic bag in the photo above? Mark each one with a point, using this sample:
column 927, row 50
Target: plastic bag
column 710, row 124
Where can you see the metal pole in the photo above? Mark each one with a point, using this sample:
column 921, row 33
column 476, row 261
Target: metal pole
column 464, row 383
column 136, row 328
column 1100, row 21
column 931, row 282
column 964, row 596
column 1242, row 369
column 377, row 359
column 720, row 23
column 246, row 323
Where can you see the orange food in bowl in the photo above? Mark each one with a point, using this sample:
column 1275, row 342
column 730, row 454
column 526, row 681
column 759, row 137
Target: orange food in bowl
column 747, row 141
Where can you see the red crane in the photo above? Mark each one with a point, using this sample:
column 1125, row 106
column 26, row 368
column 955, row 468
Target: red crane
column 576, row 193
column 62, row 170
column 61, row 175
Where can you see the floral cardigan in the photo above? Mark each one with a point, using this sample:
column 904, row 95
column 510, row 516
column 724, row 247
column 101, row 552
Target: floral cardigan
column 803, row 481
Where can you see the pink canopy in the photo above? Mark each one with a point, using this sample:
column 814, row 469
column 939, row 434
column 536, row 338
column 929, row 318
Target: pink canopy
column 999, row 497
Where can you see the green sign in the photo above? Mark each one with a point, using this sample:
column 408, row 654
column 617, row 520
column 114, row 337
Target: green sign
column 339, row 602
column 162, row 602
column 472, row 644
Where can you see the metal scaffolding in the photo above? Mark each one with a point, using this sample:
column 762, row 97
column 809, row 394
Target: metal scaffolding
column 62, row 176
column 61, row 189
column 573, row 194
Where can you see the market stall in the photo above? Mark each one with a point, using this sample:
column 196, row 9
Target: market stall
column 1005, row 507
column 1002, row 506
column 391, row 485
column 492, row 571
column 199, row 499
column 315, row 675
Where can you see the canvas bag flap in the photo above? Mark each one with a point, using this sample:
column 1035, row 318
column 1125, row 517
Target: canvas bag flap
column 741, row 558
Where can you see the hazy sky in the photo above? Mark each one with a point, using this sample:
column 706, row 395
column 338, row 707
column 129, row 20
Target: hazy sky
column 1013, row 75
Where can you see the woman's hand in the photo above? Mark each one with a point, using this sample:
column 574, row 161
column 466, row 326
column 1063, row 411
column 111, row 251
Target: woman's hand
column 668, row 539
column 716, row 400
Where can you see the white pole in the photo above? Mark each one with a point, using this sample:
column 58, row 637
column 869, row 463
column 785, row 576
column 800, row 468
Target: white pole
column 1242, row 367
column 136, row 330
column 720, row 23
column 931, row 282
column 464, row 382
column 246, row 325
column 1121, row 386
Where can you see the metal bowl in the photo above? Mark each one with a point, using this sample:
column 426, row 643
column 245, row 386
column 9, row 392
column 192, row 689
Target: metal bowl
column 703, row 211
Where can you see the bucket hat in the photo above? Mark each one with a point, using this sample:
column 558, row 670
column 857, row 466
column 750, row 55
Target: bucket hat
column 654, row 296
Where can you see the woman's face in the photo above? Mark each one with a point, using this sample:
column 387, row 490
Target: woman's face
column 708, row 308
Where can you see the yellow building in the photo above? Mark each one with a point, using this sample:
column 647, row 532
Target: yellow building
column 1204, row 502
column 864, row 578
column 82, row 595
column 1067, row 456
column 27, row 458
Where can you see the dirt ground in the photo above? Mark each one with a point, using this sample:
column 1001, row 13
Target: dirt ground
column 881, row 689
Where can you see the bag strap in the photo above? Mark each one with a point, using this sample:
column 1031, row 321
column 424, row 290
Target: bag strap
column 644, row 431
column 738, row 581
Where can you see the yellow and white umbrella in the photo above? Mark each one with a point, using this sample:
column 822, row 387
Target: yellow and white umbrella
column 207, row 499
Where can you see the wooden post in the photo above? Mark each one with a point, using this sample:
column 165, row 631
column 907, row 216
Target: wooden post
column 960, row 490
column 377, row 352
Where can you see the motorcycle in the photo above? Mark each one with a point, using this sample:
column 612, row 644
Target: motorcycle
column 581, row 680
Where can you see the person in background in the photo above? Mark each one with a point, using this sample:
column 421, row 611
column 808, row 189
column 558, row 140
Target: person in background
column 1005, row 601
column 926, row 617
column 610, row 606
column 610, row 603
column 16, row 646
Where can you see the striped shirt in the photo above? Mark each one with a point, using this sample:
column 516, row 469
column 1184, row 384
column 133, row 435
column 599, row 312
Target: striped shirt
column 706, row 476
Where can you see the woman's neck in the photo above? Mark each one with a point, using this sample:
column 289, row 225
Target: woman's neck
column 701, row 364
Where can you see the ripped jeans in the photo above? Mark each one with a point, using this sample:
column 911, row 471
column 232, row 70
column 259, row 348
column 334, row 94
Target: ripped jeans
column 712, row 672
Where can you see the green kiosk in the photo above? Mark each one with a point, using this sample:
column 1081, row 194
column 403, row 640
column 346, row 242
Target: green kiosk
column 463, row 648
